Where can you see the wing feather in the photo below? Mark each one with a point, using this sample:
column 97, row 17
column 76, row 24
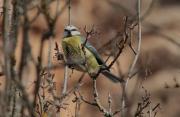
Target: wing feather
column 94, row 52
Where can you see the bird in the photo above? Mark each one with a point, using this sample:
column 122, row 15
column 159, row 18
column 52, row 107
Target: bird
column 79, row 54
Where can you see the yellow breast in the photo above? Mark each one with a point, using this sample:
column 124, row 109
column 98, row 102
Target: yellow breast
column 72, row 47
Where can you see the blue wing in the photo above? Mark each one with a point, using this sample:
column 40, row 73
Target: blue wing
column 107, row 72
column 94, row 51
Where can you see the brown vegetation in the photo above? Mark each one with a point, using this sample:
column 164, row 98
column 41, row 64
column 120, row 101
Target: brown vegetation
column 32, row 80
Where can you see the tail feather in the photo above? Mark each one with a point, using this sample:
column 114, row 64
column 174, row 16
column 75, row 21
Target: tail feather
column 112, row 77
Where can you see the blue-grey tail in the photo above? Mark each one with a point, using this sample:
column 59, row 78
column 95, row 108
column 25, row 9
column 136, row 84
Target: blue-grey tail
column 112, row 77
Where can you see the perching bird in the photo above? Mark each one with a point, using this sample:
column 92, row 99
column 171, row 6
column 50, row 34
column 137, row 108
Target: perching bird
column 83, row 56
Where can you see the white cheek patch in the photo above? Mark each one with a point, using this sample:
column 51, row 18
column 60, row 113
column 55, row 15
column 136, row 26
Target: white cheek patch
column 75, row 33
column 71, row 27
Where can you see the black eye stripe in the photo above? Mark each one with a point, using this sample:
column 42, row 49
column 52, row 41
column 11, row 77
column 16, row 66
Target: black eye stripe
column 66, row 30
column 73, row 30
column 70, row 30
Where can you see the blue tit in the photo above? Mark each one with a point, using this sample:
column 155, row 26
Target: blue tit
column 83, row 56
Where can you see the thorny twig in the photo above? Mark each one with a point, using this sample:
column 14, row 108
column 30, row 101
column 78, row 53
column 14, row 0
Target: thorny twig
column 50, row 33
column 144, row 104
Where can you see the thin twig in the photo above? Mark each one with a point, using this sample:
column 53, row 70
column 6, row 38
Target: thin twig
column 69, row 12
column 137, row 52
column 131, row 70
column 97, row 101
column 38, row 70
column 88, row 35
column 78, row 103
column 110, row 103
column 121, row 45
column 65, row 80
column 14, row 104
column 139, row 40
column 49, row 55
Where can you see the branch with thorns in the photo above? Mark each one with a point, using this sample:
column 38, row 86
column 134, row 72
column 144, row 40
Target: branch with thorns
column 144, row 104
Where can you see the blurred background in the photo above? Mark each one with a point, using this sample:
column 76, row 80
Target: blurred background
column 158, row 64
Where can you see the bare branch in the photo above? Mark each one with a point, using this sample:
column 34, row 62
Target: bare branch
column 65, row 80
column 110, row 102
column 69, row 11
column 139, row 40
column 120, row 45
